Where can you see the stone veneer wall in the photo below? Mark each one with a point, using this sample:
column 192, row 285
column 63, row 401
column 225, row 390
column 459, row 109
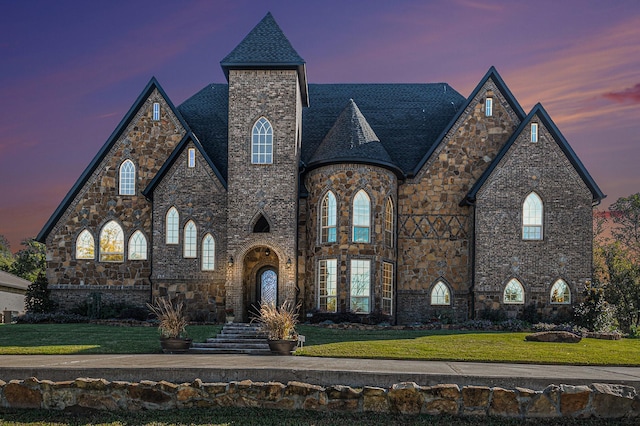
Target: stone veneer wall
column 566, row 248
column 435, row 234
column 147, row 143
column 198, row 195
column 345, row 180
column 597, row 400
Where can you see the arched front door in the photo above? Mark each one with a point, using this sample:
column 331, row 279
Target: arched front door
column 267, row 285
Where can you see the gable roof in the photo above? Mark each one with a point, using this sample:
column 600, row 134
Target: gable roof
column 266, row 47
column 493, row 75
column 13, row 281
column 84, row 177
column 189, row 137
column 546, row 120
column 351, row 140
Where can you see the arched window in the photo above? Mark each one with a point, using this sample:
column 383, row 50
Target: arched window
column 514, row 292
column 361, row 217
column 190, row 238
column 111, row 243
column 85, row 246
column 328, row 218
column 560, row 293
column 172, row 221
column 137, row 246
column 388, row 223
column 262, row 142
column 440, row 294
column 208, row 253
column 127, row 178
column 532, row 213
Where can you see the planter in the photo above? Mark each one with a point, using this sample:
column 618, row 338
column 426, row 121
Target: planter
column 230, row 319
column 175, row 345
column 282, row 347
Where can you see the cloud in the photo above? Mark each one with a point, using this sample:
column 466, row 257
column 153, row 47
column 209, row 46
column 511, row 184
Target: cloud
column 631, row 94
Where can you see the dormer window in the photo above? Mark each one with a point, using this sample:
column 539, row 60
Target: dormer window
column 488, row 107
column 192, row 158
column 156, row 111
column 534, row 132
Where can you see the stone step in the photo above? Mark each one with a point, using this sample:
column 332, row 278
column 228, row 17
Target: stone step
column 235, row 338
column 240, row 336
column 245, row 340
column 245, row 351
column 260, row 345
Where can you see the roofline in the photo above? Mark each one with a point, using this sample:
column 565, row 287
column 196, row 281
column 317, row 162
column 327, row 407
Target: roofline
column 355, row 160
column 152, row 85
column 538, row 110
column 189, row 137
column 492, row 74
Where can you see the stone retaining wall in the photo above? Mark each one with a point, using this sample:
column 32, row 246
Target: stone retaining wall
column 597, row 400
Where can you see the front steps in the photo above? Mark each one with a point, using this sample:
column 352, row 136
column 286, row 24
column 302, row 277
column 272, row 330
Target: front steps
column 234, row 338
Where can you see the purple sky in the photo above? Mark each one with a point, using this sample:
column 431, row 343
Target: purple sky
column 70, row 70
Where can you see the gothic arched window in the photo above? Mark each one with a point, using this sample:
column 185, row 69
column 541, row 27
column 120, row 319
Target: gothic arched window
column 361, row 217
column 111, row 243
column 514, row 292
column 137, row 246
column 127, row 178
column 532, row 214
column 85, row 246
column 440, row 294
column 190, row 238
column 208, row 253
column 262, row 142
column 328, row 218
column 172, row 221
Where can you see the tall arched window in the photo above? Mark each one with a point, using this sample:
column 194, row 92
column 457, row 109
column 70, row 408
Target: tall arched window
column 560, row 293
column 190, row 238
column 361, row 217
column 262, row 142
column 85, row 246
column 208, row 253
column 127, row 178
column 514, row 292
column 532, row 214
column 440, row 294
column 172, row 222
column 328, row 218
column 137, row 246
column 388, row 223
column 111, row 243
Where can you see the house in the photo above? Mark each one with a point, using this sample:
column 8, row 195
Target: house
column 12, row 292
column 398, row 201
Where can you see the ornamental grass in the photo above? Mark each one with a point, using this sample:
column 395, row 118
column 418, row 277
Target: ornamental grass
column 173, row 321
column 278, row 322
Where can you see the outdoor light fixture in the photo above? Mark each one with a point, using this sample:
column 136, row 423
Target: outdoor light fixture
column 267, row 252
column 289, row 263
column 230, row 261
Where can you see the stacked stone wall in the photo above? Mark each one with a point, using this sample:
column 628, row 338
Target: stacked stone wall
column 435, row 234
column 606, row 401
column 565, row 250
column 68, row 296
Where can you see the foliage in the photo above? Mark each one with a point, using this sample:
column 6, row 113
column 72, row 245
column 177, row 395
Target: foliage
column 6, row 257
column 95, row 309
column 51, row 318
column 37, row 300
column 595, row 313
column 278, row 322
column 30, row 262
column 625, row 213
column 494, row 315
column 530, row 314
column 171, row 317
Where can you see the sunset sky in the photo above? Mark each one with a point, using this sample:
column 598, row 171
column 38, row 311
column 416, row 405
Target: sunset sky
column 70, row 70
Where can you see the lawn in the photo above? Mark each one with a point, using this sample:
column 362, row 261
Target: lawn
column 389, row 344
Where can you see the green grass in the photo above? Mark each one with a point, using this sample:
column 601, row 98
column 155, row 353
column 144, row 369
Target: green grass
column 66, row 339
column 261, row 416
column 62, row 339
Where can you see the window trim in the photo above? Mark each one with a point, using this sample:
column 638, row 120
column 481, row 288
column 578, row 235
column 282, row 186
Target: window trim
column 530, row 216
column 357, row 218
column 127, row 177
column 175, row 227
column 189, row 241
column 120, row 241
column 92, row 248
column 488, row 106
column 517, row 282
column 320, row 281
column 262, row 128
column 326, row 214
column 145, row 246
column 367, row 290
column 208, row 253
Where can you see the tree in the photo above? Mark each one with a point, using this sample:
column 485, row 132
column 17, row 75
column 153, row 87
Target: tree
column 30, row 261
column 6, row 257
column 37, row 300
column 625, row 213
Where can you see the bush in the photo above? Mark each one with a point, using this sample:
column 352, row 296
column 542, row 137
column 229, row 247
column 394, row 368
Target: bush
column 530, row 314
column 37, row 300
column 595, row 314
column 95, row 309
column 51, row 318
column 493, row 315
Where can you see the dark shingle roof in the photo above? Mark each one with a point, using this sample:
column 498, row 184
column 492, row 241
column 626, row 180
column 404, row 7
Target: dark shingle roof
column 407, row 118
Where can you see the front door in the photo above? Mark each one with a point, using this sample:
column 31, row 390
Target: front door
column 267, row 286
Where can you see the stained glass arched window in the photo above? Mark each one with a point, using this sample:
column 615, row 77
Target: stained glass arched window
column 269, row 287
column 85, row 246
column 560, row 293
column 111, row 243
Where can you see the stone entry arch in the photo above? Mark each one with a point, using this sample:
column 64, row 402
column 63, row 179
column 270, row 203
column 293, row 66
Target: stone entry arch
column 259, row 263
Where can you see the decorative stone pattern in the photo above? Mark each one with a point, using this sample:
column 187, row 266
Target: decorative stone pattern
column 597, row 401
column 345, row 180
column 502, row 254
column 199, row 196
column 145, row 142
column 434, row 238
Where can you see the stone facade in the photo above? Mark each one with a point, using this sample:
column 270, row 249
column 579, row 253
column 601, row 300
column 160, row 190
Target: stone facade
column 604, row 401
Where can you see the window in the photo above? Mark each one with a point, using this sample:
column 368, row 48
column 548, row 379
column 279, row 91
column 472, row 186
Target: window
column 560, row 293
column 532, row 211
column 488, row 107
column 327, row 285
column 261, row 225
column 262, row 142
column 190, row 237
column 111, row 243
column 388, row 223
column 359, row 285
column 440, row 294
column 172, row 221
column 127, row 178
column 387, row 288
column 328, row 219
column 534, row 132
column 85, row 246
column 156, row 111
column 137, row 246
column 514, row 292
column 192, row 158
column 361, row 217
column 208, row 253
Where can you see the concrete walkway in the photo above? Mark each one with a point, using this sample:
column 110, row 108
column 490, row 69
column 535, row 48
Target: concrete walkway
column 320, row 371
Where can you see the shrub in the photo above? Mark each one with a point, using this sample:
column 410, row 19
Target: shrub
column 595, row 314
column 530, row 314
column 51, row 318
column 172, row 320
column 95, row 309
column 37, row 299
column 493, row 315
